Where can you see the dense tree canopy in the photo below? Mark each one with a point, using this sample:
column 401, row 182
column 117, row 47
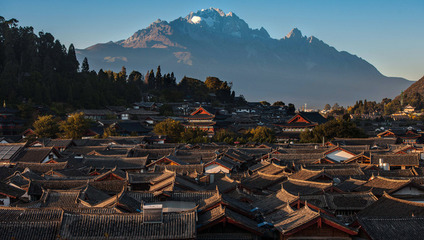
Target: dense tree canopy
column 46, row 126
column 224, row 135
column 194, row 135
column 260, row 134
column 170, row 128
column 40, row 69
column 278, row 103
column 265, row 103
column 332, row 129
column 75, row 126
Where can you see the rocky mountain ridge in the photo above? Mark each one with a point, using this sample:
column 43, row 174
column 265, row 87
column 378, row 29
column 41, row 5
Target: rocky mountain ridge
column 295, row 68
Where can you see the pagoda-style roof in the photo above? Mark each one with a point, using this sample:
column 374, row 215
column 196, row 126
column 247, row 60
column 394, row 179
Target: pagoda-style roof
column 296, row 221
column 224, row 184
column 272, row 169
column 170, row 159
column 378, row 185
column 204, row 110
column 350, row 184
column 390, row 207
column 185, row 170
column 223, row 214
column 274, row 201
column 303, row 187
column 350, row 201
column 308, row 117
column 258, row 181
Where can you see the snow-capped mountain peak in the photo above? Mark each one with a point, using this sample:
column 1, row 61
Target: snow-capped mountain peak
column 230, row 14
column 213, row 10
column 210, row 41
column 209, row 16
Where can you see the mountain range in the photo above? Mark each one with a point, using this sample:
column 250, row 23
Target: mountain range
column 209, row 42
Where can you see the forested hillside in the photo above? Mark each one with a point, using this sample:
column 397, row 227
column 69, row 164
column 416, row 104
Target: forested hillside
column 37, row 68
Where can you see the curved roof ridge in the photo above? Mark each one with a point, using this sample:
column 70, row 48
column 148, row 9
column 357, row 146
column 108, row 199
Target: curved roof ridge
column 288, row 208
column 368, row 192
column 284, row 191
column 227, row 178
column 29, row 209
column 270, row 175
column 313, row 170
column 278, row 166
column 418, row 204
column 393, row 180
column 311, row 182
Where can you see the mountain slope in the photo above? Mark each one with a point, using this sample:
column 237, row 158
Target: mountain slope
column 416, row 87
column 294, row 68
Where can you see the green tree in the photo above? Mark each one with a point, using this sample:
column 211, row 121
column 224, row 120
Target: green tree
column 213, row 83
column 194, row 135
column 75, row 126
column 122, row 75
column 193, row 88
column 392, row 107
column 166, row 110
column 327, row 107
column 335, row 107
column 110, row 131
column 72, row 59
column 224, row 135
column 46, row 126
column 265, row 103
column 291, row 109
column 278, row 103
column 135, row 76
column 170, row 128
column 331, row 129
column 158, row 79
column 85, row 68
column 260, row 134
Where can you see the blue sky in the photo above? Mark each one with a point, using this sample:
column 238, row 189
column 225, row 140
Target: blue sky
column 388, row 34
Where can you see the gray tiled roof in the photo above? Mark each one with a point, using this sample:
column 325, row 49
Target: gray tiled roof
column 21, row 223
column 408, row 228
column 128, row 226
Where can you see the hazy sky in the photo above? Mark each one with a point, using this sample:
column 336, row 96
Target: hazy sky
column 388, row 34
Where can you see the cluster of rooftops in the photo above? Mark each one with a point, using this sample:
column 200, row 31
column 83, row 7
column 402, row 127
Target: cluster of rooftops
column 124, row 188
